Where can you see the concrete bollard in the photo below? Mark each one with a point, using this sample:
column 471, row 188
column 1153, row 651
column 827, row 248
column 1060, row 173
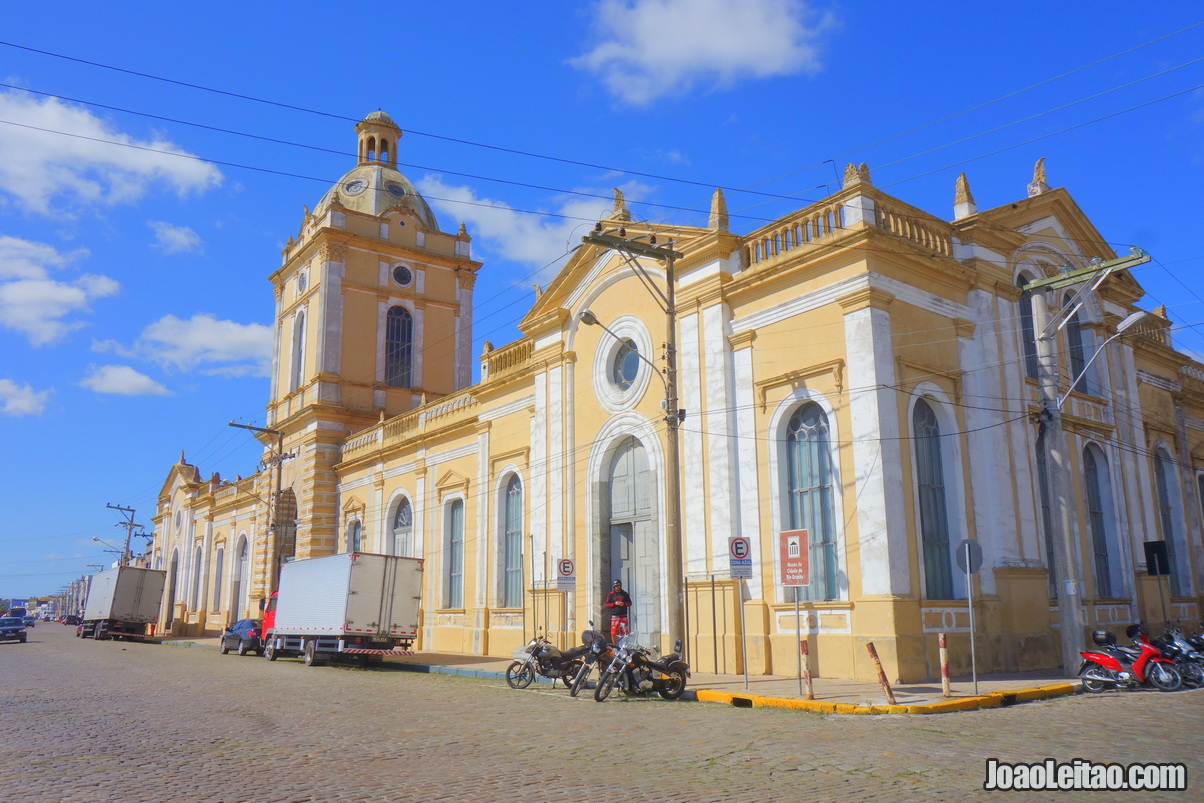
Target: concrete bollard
column 802, row 645
column 940, row 640
column 890, row 695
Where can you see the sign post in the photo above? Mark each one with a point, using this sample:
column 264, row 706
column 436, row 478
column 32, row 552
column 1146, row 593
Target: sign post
column 969, row 559
column 739, row 562
column 793, row 553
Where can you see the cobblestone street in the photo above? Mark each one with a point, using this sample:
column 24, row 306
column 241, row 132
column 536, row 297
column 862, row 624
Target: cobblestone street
column 88, row 721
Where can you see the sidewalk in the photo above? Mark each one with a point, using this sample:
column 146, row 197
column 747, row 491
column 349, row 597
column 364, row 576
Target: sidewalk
column 832, row 695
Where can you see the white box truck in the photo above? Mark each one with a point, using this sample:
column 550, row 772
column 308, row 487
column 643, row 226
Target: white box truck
column 353, row 605
column 122, row 602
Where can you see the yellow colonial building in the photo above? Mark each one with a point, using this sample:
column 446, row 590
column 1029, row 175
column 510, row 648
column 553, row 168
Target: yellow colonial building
column 861, row 370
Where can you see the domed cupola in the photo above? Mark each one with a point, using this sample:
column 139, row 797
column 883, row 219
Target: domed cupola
column 374, row 185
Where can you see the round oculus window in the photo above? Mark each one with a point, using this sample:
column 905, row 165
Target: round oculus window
column 625, row 365
column 402, row 275
column 355, row 186
column 395, row 189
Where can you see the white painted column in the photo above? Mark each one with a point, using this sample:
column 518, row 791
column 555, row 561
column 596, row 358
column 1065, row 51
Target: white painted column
column 719, row 423
column 330, row 318
column 486, row 535
column 1021, row 439
column 874, row 412
column 537, row 530
column 693, row 454
column 748, row 494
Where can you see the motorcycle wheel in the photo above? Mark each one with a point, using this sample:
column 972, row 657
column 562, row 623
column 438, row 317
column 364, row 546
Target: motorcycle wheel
column 519, row 675
column 579, row 680
column 1093, row 685
column 605, row 684
column 1192, row 674
column 674, row 685
column 571, row 671
column 1164, row 677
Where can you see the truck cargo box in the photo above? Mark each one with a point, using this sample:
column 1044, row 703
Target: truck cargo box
column 355, row 594
column 127, row 593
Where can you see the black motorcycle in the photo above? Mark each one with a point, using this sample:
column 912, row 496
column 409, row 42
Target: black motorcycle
column 1188, row 660
column 597, row 653
column 541, row 657
column 635, row 671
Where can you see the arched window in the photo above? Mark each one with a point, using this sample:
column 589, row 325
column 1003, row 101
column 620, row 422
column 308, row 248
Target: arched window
column 218, row 565
column 1027, row 334
column 809, row 494
column 1095, row 477
column 297, row 368
column 399, row 348
column 242, row 576
column 1075, row 353
column 355, row 532
column 454, row 570
column 934, row 513
column 512, row 557
column 1046, row 515
column 403, row 529
column 1168, row 517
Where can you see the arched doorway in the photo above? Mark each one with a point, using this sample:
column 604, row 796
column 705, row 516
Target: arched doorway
column 633, row 554
column 173, row 577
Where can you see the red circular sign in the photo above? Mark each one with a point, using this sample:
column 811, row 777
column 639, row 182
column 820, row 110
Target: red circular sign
column 565, row 567
column 739, row 548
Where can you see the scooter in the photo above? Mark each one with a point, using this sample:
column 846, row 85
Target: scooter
column 635, row 671
column 541, row 657
column 1111, row 666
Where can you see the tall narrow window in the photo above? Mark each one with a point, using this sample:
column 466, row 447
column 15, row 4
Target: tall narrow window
column 399, row 348
column 297, row 369
column 512, row 596
column 1027, row 333
column 355, row 532
column 1046, row 515
column 1164, row 476
column 403, row 529
column 454, row 575
column 218, row 566
column 196, row 579
column 1093, row 477
column 934, row 515
column 1075, row 351
column 809, row 497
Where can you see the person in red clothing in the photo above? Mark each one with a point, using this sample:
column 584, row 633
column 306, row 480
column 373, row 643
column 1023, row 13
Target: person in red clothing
column 618, row 602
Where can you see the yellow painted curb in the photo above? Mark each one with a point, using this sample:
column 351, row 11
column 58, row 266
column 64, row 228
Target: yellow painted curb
column 994, row 699
column 708, row 696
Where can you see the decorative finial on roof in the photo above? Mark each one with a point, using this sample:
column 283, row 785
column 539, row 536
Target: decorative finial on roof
column 463, row 232
column 1160, row 311
column 854, row 174
column 486, row 347
column 718, row 219
column 963, row 200
column 182, row 461
column 1038, row 186
column 538, row 290
column 620, row 211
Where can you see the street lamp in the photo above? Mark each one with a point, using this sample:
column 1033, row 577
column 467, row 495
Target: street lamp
column 1134, row 319
column 629, row 250
column 1065, row 569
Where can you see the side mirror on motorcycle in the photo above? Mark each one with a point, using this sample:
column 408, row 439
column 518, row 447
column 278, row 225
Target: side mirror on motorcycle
column 677, row 646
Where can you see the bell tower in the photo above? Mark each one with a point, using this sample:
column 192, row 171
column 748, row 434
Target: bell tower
column 373, row 317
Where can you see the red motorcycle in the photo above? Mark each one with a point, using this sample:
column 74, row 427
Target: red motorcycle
column 1111, row 666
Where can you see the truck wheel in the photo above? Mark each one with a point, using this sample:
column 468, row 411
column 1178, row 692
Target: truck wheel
column 310, row 655
column 269, row 651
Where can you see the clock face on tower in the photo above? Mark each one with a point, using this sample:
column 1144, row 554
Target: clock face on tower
column 355, row 186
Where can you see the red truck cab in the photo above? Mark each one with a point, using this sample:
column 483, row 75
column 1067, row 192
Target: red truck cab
column 269, row 616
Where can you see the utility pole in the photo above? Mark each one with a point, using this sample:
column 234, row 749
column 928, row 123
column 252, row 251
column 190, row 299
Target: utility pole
column 274, row 545
column 675, row 579
column 129, row 526
column 1046, row 328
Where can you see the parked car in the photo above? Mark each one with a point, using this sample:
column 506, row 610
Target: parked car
column 30, row 621
column 244, row 636
column 12, row 628
column 71, row 620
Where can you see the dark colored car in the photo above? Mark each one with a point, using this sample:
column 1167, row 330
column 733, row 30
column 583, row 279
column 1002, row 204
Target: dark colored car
column 71, row 620
column 242, row 636
column 30, row 621
column 12, row 628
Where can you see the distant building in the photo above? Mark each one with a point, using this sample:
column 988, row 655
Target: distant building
column 860, row 369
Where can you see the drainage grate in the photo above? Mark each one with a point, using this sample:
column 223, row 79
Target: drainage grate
column 742, row 702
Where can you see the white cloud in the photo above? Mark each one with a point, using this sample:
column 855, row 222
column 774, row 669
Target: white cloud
column 171, row 239
column 21, row 399
column 543, row 242
column 655, row 48
column 215, row 347
column 122, row 380
column 33, row 303
column 47, row 172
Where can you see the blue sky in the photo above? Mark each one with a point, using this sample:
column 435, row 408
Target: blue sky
column 134, row 302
